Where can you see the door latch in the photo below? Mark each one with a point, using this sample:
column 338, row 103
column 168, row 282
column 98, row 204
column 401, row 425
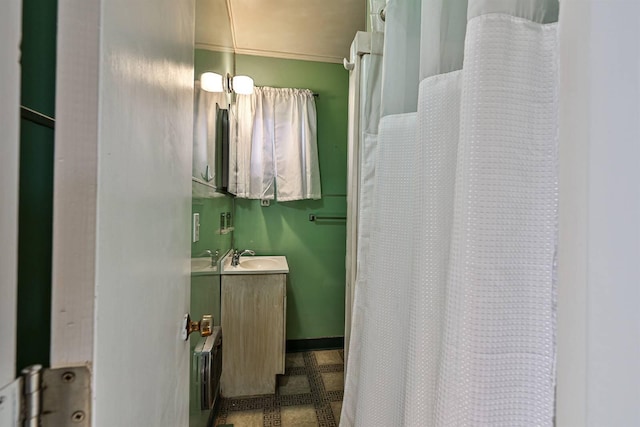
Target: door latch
column 203, row 326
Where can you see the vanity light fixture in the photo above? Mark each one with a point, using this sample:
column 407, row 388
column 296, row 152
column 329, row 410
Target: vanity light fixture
column 214, row 82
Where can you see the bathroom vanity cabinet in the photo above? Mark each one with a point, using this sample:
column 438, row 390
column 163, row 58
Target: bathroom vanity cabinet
column 253, row 328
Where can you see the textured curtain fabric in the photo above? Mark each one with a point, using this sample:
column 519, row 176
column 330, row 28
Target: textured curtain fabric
column 276, row 147
column 426, row 38
column 497, row 354
column 204, row 132
column 375, row 375
column 541, row 11
column 457, row 325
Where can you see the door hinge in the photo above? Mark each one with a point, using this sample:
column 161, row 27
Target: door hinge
column 59, row 397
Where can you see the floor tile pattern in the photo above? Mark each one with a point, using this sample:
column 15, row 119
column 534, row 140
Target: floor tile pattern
column 309, row 394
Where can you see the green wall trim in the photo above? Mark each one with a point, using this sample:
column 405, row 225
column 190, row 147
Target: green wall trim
column 315, row 251
column 328, row 343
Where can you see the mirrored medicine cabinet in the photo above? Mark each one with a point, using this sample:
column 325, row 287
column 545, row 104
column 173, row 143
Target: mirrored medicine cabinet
column 214, row 52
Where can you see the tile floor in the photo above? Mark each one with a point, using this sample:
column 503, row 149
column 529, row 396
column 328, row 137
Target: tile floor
column 309, row 394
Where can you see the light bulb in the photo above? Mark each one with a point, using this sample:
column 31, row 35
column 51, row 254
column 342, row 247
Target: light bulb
column 243, row 85
column 211, row 82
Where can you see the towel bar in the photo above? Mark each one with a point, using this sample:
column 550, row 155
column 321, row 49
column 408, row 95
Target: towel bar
column 314, row 217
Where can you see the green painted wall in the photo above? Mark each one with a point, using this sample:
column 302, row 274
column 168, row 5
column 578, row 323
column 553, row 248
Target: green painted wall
column 315, row 251
column 210, row 237
column 36, row 183
column 218, row 62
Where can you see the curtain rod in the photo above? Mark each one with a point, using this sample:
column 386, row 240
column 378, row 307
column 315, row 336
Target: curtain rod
column 313, row 93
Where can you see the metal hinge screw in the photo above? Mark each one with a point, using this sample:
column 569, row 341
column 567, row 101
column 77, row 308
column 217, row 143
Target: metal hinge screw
column 77, row 417
column 68, row 377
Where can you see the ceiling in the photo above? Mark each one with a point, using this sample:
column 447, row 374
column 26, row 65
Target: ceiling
column 315, row 30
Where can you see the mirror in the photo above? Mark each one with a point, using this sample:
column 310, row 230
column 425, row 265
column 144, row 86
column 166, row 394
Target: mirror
column 214, row 53
column 212, row 208
column 222, row 149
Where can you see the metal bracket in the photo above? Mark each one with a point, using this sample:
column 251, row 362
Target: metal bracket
column 66, row 397
column 47, row 398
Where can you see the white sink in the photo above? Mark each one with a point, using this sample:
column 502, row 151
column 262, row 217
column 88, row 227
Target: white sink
column 256, row 265
column 260, row 264
column 202, row 266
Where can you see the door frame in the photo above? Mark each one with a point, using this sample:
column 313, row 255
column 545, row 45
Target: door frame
column 122, row 205
column 10, row 35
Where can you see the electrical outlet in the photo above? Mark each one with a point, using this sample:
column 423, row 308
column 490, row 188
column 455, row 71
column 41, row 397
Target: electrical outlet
column 196, row 227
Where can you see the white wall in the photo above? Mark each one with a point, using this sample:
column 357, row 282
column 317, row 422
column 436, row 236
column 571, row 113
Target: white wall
column 10, row 32
column 599, row 247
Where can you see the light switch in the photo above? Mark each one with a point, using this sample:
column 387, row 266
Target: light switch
column 196, row 227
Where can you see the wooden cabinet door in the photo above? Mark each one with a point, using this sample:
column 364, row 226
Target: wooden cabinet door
column 253, row 333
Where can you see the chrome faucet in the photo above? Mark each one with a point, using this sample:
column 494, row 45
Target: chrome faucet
column 235, row 260
column 213, row 256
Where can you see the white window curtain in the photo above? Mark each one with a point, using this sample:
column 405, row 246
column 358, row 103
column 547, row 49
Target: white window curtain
column 276, row 146
column 204, row 132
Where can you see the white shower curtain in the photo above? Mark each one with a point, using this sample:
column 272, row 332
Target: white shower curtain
column 276, row 146
column 455, row 322
column 401, row 64
column 364, row 116
column 426, row 37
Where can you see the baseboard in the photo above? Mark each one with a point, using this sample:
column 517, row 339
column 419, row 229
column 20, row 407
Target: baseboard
column 328, row 343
